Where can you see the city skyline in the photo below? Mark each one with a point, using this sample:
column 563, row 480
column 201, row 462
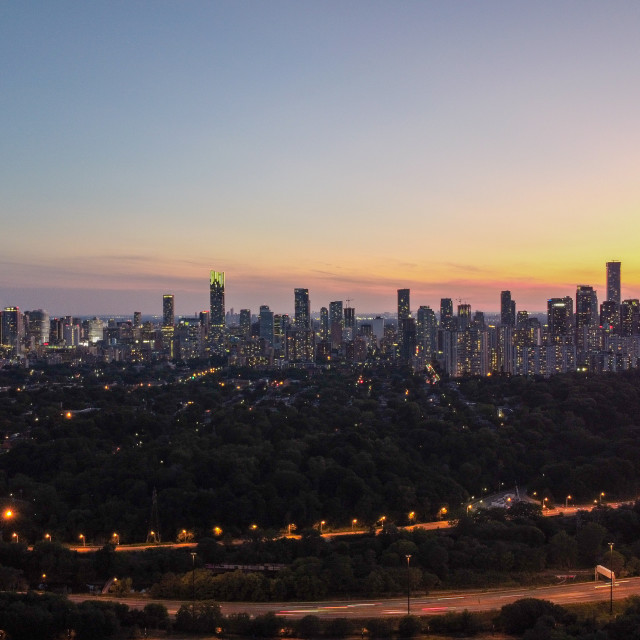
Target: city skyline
column 302, row 309
column 451, row 149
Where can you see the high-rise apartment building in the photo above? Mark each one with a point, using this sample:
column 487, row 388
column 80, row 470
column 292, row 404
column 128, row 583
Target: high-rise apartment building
column 613, row 281
column 336, row 323
column 266, row 324
column 427, row 330
column 559, row 317
column 349, row 318
column 12, row 327
column 464, row 317
column 302, row 308
column 586, row 306
column 507, row 309
column 168, row 310
column 404, row 305
column 216, row 303
column 447, row 321
column 630, row 317
column 324, row 323
column 245, row 322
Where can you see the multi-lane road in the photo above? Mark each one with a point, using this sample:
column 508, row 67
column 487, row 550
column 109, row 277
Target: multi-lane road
column 436, row 603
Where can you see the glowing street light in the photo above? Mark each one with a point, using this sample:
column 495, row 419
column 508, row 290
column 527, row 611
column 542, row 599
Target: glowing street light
column 47, row 537
column 16, row 537
column 611, row 569
column 84, row 540
column 354, row 522
column 412, row 516
column 566, row 501
column 322, row 523
column 115, row 538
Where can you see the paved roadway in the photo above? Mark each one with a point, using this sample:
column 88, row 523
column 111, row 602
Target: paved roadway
column 436, row 603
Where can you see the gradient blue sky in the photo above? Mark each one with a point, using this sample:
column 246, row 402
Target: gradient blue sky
column 456, row 148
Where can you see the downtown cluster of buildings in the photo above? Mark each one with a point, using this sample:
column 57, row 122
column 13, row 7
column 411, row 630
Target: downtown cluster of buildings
column 578, row 334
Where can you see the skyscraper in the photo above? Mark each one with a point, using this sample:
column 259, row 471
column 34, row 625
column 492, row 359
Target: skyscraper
column 245, row 322
column 613, row 281
column 216, row 303
column 336, row 323
column 302, row 309
column 324, row 323
column 447, row 321
column 168, row 323
column 507, row 309
column 12, row 327
column 266, row 324
column 586, row 306
column 168, row 310
column 559, row 317
column 427, row 330
column 404, row 305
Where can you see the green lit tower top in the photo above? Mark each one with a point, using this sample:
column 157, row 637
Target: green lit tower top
column 216, row 298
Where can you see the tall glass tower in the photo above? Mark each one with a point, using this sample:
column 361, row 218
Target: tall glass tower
column 216, row 300
column 302, row 309
column 613, row 281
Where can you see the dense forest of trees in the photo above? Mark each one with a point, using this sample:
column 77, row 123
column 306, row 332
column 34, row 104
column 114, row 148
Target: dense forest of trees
column 228, row 451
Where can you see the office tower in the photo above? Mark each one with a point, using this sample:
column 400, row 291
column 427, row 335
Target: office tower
column 245, row 322
column 613, row 281
column 404, row 305
column 39, row 326
column 216, row 303
column 168, row 324
column 610, row 316
column 302, row 309
column 12, row 327
column 324, row 323
column 630, row 317
column 464, row 317
column 137, row 319
column 95, row 330
column 336, row 323
column 427, row 330
column 559, row 317
column 447, row 320
column 507, row 309
column 168, row 310
column 522, row 318
column 266, row 324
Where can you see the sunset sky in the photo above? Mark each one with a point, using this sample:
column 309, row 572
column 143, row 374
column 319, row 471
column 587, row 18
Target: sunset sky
column 352, row 147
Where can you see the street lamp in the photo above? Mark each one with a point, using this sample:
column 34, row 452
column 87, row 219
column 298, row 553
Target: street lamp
column 566, row 501
column 322, row 523
column 601, row 496
column 47, row 537
column 408, row 556
column 16, row 537
column 193, row 588
column 84, row 540
column 354, row 522
column 611, row 570
column 412, row 516
column 115, row 538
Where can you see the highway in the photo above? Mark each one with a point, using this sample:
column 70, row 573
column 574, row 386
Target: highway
column 433, row 604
